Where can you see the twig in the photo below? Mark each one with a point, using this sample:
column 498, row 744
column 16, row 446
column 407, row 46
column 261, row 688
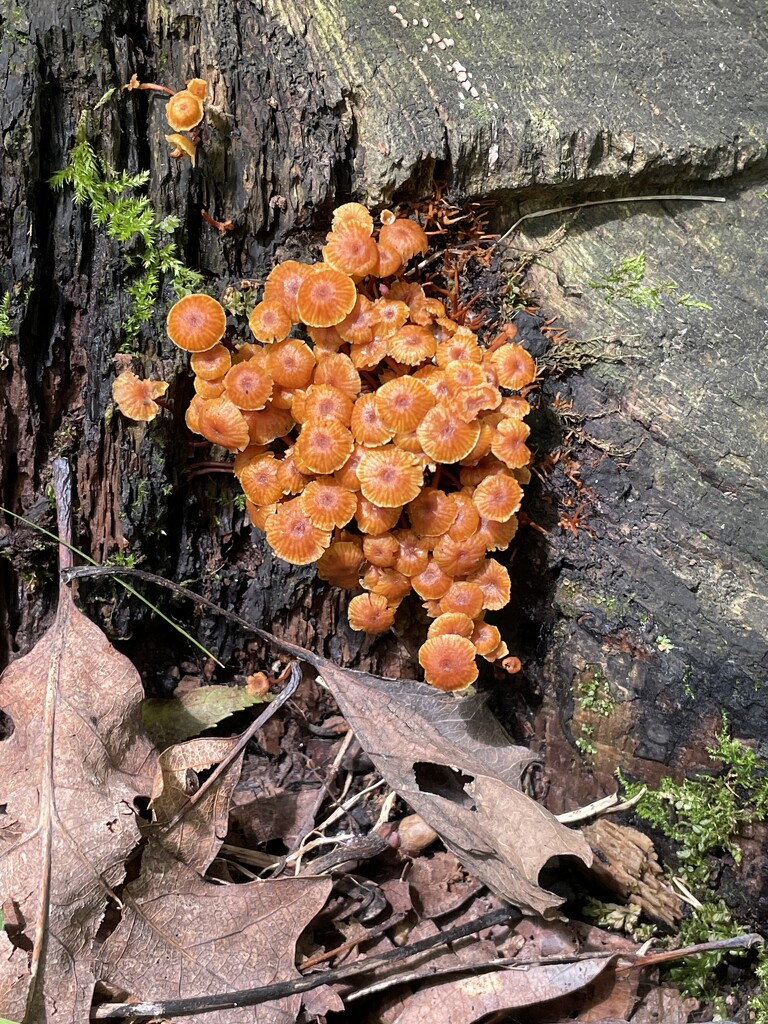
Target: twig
column 287, row 692
column 606, row 202
column 281, row 989
column 607, row 805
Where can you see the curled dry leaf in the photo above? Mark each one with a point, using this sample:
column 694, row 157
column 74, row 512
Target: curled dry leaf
column 182, row 935
column 198, row 835
column 173, row 719
column 71, row 769
column 456, row 767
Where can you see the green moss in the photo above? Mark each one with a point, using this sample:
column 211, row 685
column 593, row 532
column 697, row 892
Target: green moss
column 704, row 816
column 128, row 217
column 626, row 280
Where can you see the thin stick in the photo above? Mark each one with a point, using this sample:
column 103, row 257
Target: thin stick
column 606, row 202
column 287, row 692
column 266, row 993
column 106, row 570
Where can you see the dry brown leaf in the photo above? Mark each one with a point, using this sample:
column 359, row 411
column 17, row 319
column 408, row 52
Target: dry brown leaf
column 466, row 999
column 182, row 936
column 71, row 769
column 454, row 764
column 198, row 836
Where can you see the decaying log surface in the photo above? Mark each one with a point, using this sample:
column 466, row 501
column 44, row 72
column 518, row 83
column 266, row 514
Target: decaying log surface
column 536, row 105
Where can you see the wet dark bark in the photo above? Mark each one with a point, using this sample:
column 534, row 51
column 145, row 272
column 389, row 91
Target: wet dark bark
column 299, row 119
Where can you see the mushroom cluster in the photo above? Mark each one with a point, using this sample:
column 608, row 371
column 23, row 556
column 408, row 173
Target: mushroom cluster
column 374, row 435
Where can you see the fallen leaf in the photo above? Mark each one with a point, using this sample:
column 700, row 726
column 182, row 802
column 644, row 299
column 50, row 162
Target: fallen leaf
column 74, row 763
column 183, row 936
column 452, row 762
column 188, row 714
column 466, row 999
column 197, row 837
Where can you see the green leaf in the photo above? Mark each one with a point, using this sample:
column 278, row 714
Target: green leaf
column 179, row 718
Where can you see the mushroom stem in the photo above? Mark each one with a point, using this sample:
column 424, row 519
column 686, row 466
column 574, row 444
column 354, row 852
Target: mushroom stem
column 221, row 225
column 157, row 88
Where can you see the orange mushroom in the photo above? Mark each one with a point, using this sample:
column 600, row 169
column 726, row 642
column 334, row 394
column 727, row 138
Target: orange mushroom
column 406, row 237
column 514, row 366
column 283, row 283
column 291, row 363
column 370, row 613
column 323, row 447
column 351, row 251
column 498, row 497
column 403, row 403
column 249, row 384
column 211, row 364
column 325, row 297
column 135, row 398
column 293, row 537
column 269, row 321
column 221, row 422
column 327, row 504
column 197, row 322
column 390, row 477
column 444, row 437
column 451, row 622
column 448, row 662
column 340, row 564
column 184, row 110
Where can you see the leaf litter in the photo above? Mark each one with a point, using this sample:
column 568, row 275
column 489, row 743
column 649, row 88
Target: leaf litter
column 69, row 828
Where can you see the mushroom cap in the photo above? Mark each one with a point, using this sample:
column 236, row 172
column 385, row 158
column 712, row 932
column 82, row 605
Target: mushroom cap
column 497, row 536
column 514, row 366
column 352, row 215
column 249, row 384
column 463, row 597
column 462, row 374
column 259, row 481
column 135, row 398
column 390, row 477
column 292, row 480
column 283, row 283
column 459, row 557
column 264, row 425
column 390, row 583
column 405, row 236
column 244, row 457
column 444, row 437
column 390, row 314
column 325, row 402
column 269, row 321
column 368, row 355
column 493, row 579
column 390, row 261
column 413, row 555
column 432, row 583
column 211, row 364
column 498, row 497
column 370, row 613
column 327, row 504
column 198, row 87
column 411, row 344
column 467, row 520
column 293, row 537
column 351, row 251
column 485, row 637
column 338, row 369
column 347, row 475
column 373, row 519
column 221, row 422
column 192, row 415
column 381, row 551
column 196, row 322
column 448, row 662
column 451, row 622
column 340, row 564
column 182, row 145
column 509, row 445
column 325, row 297
column 432, row 513
column 323, row 447
column 461, row 345
column 357, row 326
column 366, row 425
column 291, row 363
column 209, row 388
column 259, row 514
column 403, row 403
column 184, row 110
